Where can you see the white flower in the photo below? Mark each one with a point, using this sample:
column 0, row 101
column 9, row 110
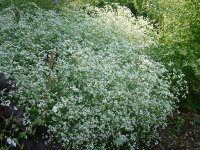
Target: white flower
column 55, row 109
column 11, row 142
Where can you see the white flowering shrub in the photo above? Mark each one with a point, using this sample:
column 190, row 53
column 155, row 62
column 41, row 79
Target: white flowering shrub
column 103, row 94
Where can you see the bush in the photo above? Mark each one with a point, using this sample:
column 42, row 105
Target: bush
column 178, row 26
column 179, row 42
column 186, row 57
column 100, row 93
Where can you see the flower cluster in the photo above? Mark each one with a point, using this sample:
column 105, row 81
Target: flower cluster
column 103, row 93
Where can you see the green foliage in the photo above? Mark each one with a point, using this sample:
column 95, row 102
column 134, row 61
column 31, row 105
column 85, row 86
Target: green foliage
column 179, row 34
column 181, row 23
column 101, row 93
column 178, row 124
column 46, row 4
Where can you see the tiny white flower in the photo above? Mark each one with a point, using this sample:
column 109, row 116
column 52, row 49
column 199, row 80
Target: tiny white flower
column 55, row 109
column 15, row 108
column 8, row 140
column 11, row 142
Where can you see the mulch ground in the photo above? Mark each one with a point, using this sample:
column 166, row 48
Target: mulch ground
column 182, row 133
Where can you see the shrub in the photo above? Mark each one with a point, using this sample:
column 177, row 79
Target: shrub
column 179, row 28
column 179, row 42
column 101, row 93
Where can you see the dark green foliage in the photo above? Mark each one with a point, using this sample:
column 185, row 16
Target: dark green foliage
column 46, row 4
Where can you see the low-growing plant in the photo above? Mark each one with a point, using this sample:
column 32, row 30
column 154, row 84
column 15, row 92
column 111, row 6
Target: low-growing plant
column 178, row 124
column 101, row 93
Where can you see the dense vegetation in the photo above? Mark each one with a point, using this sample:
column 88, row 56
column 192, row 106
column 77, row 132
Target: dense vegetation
column 100, row 76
